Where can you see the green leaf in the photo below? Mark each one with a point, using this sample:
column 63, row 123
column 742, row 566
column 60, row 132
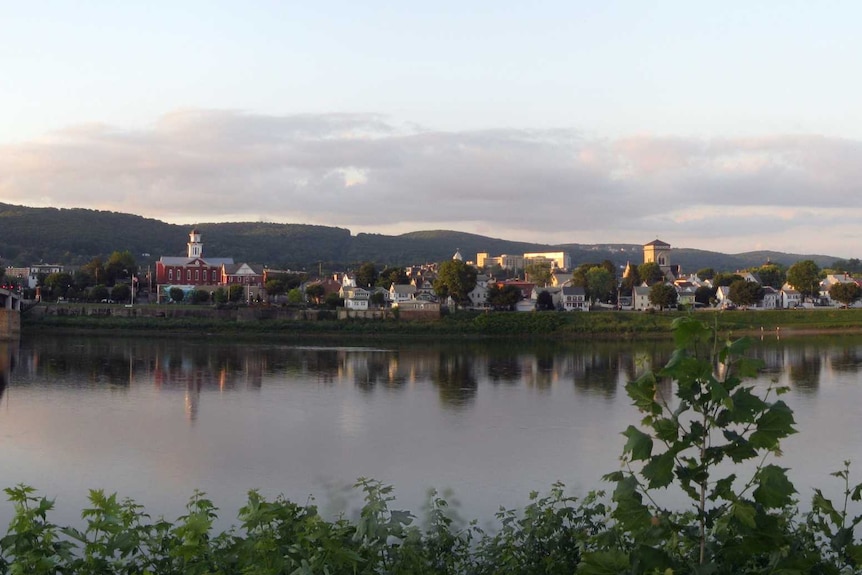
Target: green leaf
column 642, row 393
column 774, row 424
column 774, row 489
column 639, row 444
column 744, row 513
column 659, row 470
column 666, row 429
column 614, row 562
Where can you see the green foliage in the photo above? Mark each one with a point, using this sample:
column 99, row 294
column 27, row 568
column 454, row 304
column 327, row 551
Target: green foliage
column 845, row 292
column 121, row 293
column 662, row 295
column 805, row 277
column 295, row 296
column 539, row 272
column 504, row 296
column 705, row 273
column 236, row 293
column 692, row 442
column 600, row 283
column 200, row 296
column 650, row 273
column 745, row 293
column 455, row 279
column 545, row 301
column 177, row 294
column 366, row 275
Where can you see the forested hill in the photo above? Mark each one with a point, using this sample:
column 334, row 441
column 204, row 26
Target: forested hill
column 76, row 236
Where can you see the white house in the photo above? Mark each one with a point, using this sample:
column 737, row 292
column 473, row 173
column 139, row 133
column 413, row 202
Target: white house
column 479, row 294
column 790, row 298
column 573, row 298
column 640, row 298
column 400, row 293
column 355, row 298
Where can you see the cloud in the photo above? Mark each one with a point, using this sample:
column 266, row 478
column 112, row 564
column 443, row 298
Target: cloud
column 363, row 172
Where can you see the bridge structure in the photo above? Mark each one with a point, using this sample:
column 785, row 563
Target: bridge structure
column 10, row 314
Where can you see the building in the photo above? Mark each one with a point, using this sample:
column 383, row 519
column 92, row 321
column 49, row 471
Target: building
column 658, row 252
column 559, row 260
column 194, row 271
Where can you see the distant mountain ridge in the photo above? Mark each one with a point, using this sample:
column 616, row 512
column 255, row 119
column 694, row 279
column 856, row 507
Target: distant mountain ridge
column 77, row 235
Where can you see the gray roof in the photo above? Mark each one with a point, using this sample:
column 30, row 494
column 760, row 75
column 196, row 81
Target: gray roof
column 184, row 261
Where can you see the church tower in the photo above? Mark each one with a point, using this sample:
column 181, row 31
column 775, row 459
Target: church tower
column 658, row 252
column 196, row 248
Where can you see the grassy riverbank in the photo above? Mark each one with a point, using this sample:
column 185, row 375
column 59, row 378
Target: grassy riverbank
column 605, row 324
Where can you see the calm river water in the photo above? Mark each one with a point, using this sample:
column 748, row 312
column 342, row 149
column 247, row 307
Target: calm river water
column 155, row 419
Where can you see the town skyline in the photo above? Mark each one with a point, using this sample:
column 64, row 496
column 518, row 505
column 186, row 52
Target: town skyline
column 732, row 130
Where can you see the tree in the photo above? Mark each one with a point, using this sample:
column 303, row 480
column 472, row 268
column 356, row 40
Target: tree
column 315, row 292
column 539, row 272
column 58, row 283
column 394, row 275
column 706, row 273
column 725, row 279
column 545, row 301
column 455, row 279
column 745, row 293
column 366, row 275
column 772, row 275
column 99, row 293
column 295, row 296
column 121, row 293
column 662, row 295
column 651, row 273
column 504, row 296
column 333, row 300
column 600, row 283
column 377, row 298
column 120, row 265
column 275, row 287
column 805, row 278
column 704, row 295
column 235, row 293
column 220, row 296
column 845, row 292
column 176, row 294
column 200, row 296
column 95, row 270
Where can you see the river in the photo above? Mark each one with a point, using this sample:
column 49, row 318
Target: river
column 156, row 418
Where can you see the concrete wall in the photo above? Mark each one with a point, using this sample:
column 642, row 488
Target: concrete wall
column 10, row 324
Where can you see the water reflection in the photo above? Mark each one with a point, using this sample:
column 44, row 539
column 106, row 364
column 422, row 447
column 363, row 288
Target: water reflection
column 190, row 369
column 154, row 416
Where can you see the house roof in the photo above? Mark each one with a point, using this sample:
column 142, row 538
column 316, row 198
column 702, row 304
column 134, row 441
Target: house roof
column 184, row 261
column 573, row 290
column 657, row 242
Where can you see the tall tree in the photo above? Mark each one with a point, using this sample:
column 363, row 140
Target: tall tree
column 392, row 275
column 504, row 296
column 772, row 275
column 651, row 273
column 845, row 292
column 539, row 273
column 455, row 279
column 805, row 278
column 745, row 293
column 663, row 295
column 366, row 275
column 600, row 282
column 706, row 273
column 725, row 279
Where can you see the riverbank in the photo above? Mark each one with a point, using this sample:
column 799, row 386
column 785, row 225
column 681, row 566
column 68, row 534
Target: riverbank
column 276, row 322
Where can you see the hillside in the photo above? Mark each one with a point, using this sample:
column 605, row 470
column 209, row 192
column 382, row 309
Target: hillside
column 75, row 236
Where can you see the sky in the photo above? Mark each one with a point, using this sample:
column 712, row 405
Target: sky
column 729, row 127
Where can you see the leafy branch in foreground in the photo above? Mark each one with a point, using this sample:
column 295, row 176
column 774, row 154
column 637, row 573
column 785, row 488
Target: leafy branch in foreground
column 685, row 441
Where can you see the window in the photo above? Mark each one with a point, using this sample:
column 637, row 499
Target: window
column 197, row 275
column 188, row 275
column 170, row 275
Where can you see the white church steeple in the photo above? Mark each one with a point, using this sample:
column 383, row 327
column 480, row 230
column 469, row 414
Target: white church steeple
column 196, row 248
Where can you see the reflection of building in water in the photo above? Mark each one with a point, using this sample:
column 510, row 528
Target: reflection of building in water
column 8, row 359
column 191, row 372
